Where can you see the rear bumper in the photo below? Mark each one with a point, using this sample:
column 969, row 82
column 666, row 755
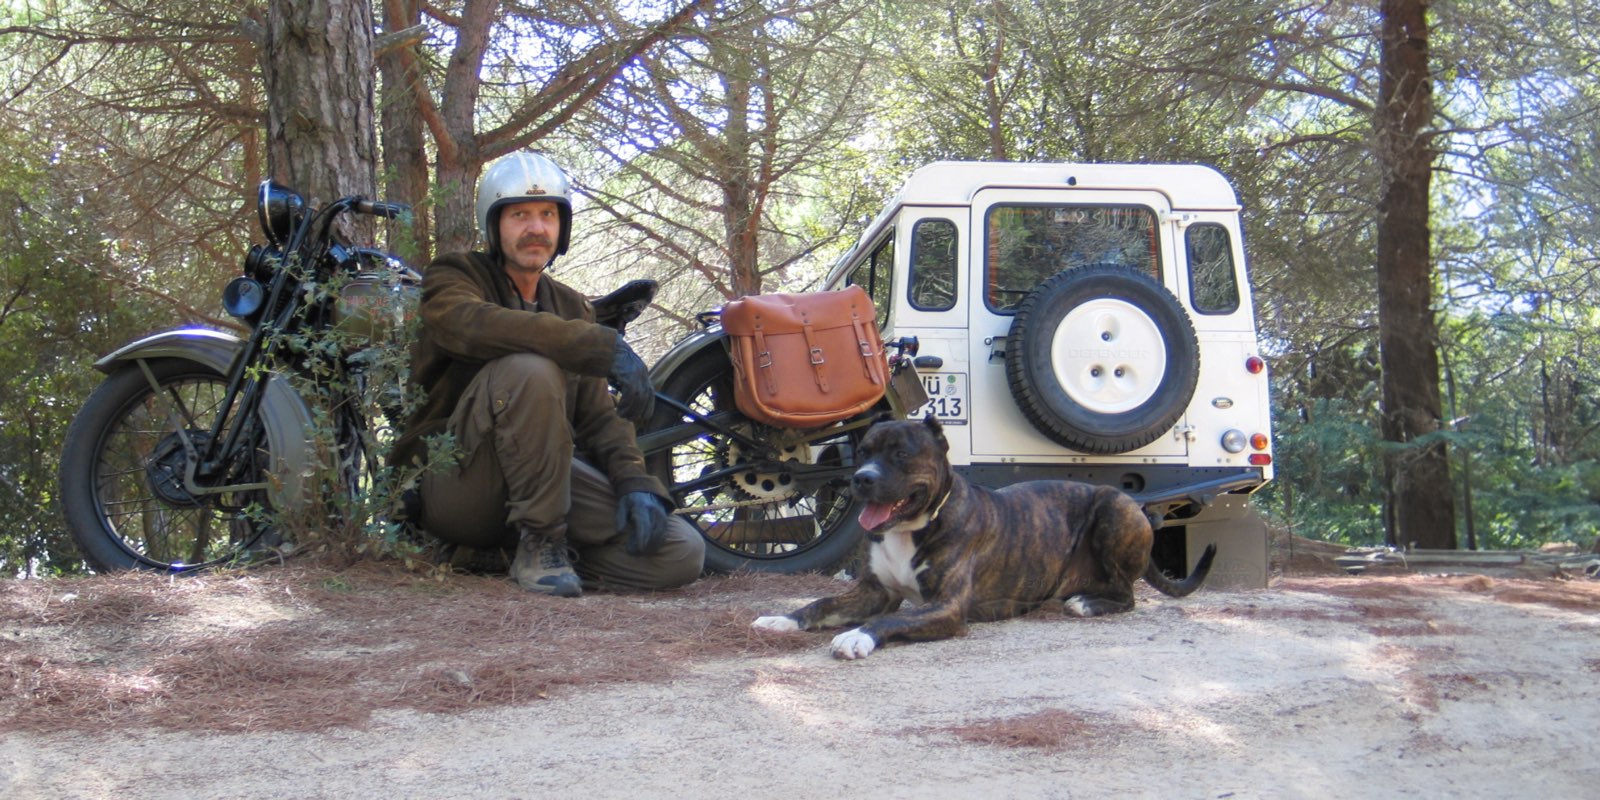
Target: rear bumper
column 1170, row 491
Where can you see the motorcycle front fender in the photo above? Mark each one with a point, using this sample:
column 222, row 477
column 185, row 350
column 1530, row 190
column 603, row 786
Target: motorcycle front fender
column 283, row 411
column 214, row 349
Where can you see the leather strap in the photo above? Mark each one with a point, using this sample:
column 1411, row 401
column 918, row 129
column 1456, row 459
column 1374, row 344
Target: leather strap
column 817, row 358
column 865, row 347
column 764, row 360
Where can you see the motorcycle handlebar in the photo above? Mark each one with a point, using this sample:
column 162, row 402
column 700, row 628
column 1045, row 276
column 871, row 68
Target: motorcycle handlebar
column 379, row 208
column 317, row 228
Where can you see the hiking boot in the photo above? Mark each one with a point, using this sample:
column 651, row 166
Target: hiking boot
column 541, row 565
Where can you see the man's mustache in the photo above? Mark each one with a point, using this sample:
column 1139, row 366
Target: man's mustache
column 534, row 239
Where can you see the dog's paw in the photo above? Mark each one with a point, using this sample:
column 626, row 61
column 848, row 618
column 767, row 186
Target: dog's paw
column 779, row 624
column 853, row 644
column 1090, row 606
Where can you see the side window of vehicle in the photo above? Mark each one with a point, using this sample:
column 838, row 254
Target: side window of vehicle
column 932, row 283
column 1027, row 244
column 876, row 275
column 1213, row 282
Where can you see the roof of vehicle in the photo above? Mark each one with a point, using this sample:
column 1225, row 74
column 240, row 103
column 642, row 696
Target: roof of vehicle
column 1189, row 187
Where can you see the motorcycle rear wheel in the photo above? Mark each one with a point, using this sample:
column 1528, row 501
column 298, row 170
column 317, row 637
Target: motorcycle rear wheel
column 761, row 515
column 122, row 468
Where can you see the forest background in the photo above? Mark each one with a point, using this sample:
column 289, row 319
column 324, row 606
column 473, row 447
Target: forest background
column 727, row 147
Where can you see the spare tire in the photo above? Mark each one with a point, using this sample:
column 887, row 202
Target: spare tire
column 1102, row 359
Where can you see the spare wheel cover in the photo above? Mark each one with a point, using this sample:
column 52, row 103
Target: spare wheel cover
column 1102, row 359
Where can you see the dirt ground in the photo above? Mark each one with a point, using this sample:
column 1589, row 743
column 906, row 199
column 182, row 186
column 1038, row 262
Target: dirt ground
column 297, row 682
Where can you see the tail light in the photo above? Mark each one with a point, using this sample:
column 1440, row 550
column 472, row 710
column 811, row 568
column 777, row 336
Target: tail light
column 1233, row 441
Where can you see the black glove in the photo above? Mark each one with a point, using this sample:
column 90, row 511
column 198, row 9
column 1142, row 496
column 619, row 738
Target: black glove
column 624, row 305
column 643, row 518
column 630, row 377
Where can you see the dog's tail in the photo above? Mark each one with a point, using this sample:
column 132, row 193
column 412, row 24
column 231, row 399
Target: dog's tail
column 1176, row 588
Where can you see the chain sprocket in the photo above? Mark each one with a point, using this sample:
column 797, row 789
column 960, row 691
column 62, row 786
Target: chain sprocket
column 771, row 484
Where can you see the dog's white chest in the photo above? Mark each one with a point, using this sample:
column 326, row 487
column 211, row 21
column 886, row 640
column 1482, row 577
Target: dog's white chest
column 891, row 561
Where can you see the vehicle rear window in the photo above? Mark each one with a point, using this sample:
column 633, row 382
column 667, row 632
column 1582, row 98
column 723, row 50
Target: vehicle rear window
column 1027, row 244
column 1213, row 285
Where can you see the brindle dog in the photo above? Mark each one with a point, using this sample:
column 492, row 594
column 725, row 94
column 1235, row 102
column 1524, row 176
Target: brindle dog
column 963, row 553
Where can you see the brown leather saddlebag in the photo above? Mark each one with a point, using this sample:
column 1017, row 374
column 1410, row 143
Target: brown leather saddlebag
column 805, row 360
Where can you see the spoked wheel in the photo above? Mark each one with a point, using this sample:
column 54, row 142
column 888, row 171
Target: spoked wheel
column 124, row 469
column 778, row 501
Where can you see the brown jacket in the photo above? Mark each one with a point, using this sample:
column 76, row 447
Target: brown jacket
column 471, row 314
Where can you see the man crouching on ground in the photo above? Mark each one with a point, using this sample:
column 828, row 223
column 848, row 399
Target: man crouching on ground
column 516, row 369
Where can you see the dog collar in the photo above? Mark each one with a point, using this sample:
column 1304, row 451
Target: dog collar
column 940, row 507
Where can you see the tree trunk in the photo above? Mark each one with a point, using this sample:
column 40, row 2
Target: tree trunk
column 460, row 154
column 319, row 78
column 405, row 161
column 1419, row 506
column 990, row 77
column 739, row 223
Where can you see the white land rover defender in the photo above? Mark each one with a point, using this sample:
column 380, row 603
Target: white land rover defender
column 1088, row 322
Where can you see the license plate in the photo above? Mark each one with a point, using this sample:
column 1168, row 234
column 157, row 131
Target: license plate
column 947, row 397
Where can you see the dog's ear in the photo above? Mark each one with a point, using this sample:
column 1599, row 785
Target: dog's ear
column 935, row 427
column 882, row 416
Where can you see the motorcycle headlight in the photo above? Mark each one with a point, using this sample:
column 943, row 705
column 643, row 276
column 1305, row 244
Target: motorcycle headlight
column 262, row 263
column 279, row 208
column 243, row 297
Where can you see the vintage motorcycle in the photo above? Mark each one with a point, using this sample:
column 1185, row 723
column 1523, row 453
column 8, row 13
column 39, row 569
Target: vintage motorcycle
column 176, row 460
column 183, row 456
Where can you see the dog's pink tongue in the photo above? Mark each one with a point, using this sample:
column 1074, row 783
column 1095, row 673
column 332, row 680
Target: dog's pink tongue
column 875, row 514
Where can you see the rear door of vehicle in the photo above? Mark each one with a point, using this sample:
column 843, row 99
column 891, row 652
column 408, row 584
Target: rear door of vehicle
column 1021, row 238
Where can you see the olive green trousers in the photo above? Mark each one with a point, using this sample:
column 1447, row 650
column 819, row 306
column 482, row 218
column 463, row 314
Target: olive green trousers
column 518, row 472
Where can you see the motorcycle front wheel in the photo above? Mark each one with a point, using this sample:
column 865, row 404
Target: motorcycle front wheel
column 123, row 467
column 782, row 507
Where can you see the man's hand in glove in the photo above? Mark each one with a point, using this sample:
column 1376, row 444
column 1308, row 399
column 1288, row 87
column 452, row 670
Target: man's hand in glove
column 642, row 517
column 630, row 377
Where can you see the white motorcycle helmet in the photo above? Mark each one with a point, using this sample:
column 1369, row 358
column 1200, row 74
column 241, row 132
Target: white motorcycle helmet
column 518, row 178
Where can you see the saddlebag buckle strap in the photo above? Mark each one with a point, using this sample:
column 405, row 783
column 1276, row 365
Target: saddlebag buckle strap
column 764, row 361
column 817, row 359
